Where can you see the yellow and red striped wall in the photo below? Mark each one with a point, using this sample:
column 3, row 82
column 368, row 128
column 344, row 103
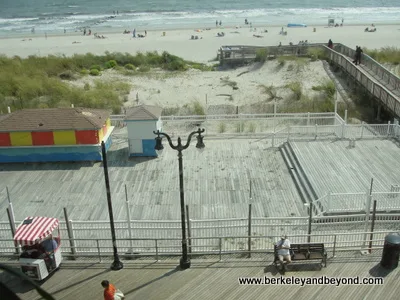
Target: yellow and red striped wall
column 59, row 137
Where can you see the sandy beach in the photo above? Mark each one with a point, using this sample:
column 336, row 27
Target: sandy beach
column 205, row 48
column 212, row 90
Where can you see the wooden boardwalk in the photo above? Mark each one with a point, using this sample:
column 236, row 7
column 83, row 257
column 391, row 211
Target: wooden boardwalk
column 217, row 184
column 212, row 279
column 217, row 181
column 332, row 166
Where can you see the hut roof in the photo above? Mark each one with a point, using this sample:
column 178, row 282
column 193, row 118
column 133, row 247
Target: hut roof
column 54, row 119
column 143, row 112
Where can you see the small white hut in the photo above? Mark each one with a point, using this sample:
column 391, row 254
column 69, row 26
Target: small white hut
column 141, row 121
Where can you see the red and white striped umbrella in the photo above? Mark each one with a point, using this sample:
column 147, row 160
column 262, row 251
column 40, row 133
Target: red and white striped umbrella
column 33, row 230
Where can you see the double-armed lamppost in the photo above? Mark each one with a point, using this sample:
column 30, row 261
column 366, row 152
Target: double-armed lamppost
column 184, row 261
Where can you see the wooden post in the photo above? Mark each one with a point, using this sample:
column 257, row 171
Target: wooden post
column 12, row 229
column 128, row 216
column 249, row 233
column 367, row 212
column 70, row 233
column 12, row 216
column 372, row 227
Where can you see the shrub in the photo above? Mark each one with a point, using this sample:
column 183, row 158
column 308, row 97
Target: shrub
column 86, row 87
column 110, row 64
column 130, row 67
column 327, row 87
column 170, row 111
column 316, row 53
column 84, row 72
column 94, row 72
column 261, row 55
column 95, row 67
column 198, row 109
column 385, row 55
column 296, row 88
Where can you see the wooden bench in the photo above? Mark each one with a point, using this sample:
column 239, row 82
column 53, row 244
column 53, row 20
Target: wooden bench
column 304, row 252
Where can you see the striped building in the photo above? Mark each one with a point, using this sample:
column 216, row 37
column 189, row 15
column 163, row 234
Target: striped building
column 54, row 134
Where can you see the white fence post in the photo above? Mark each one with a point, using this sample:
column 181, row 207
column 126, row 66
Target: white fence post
column 345, row 116
column 362, row 129
column 343, row 130
column 336, row 102
column 72, row 237
column 308, row 119
column 316, row 131
column 367, row 213
column 388, row 129
column 128, row 216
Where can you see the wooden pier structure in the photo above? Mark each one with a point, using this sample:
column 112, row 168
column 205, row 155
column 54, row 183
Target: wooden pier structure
column 382, row 84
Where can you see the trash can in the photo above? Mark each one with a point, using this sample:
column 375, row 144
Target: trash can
column 391, row 251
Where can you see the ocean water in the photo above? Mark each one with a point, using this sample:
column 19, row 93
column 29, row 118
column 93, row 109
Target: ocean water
column 53, row 16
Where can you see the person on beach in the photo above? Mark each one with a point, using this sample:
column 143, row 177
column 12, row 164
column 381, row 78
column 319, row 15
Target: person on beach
column 134, row 32
column 330, row 44
column 220, row 23
column 84, row 31
column 111, row 292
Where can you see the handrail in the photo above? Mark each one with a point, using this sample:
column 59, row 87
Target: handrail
column 374, row 86
column 218, row 247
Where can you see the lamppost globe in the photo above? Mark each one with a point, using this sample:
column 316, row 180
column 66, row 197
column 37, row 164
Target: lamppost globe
column 159, row 146
column 200, row 144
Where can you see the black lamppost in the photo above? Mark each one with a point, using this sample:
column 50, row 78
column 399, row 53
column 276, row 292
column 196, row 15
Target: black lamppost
column 117, row 264
column 184, row 261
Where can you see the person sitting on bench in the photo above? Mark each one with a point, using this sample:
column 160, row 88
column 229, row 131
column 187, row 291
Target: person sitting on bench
column 283, row 247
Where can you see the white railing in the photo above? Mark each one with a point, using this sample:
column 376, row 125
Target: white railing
column 82, row 231
column 222, row 245
column 305, row 126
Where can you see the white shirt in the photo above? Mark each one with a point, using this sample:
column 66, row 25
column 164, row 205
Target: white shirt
column 283, row 243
